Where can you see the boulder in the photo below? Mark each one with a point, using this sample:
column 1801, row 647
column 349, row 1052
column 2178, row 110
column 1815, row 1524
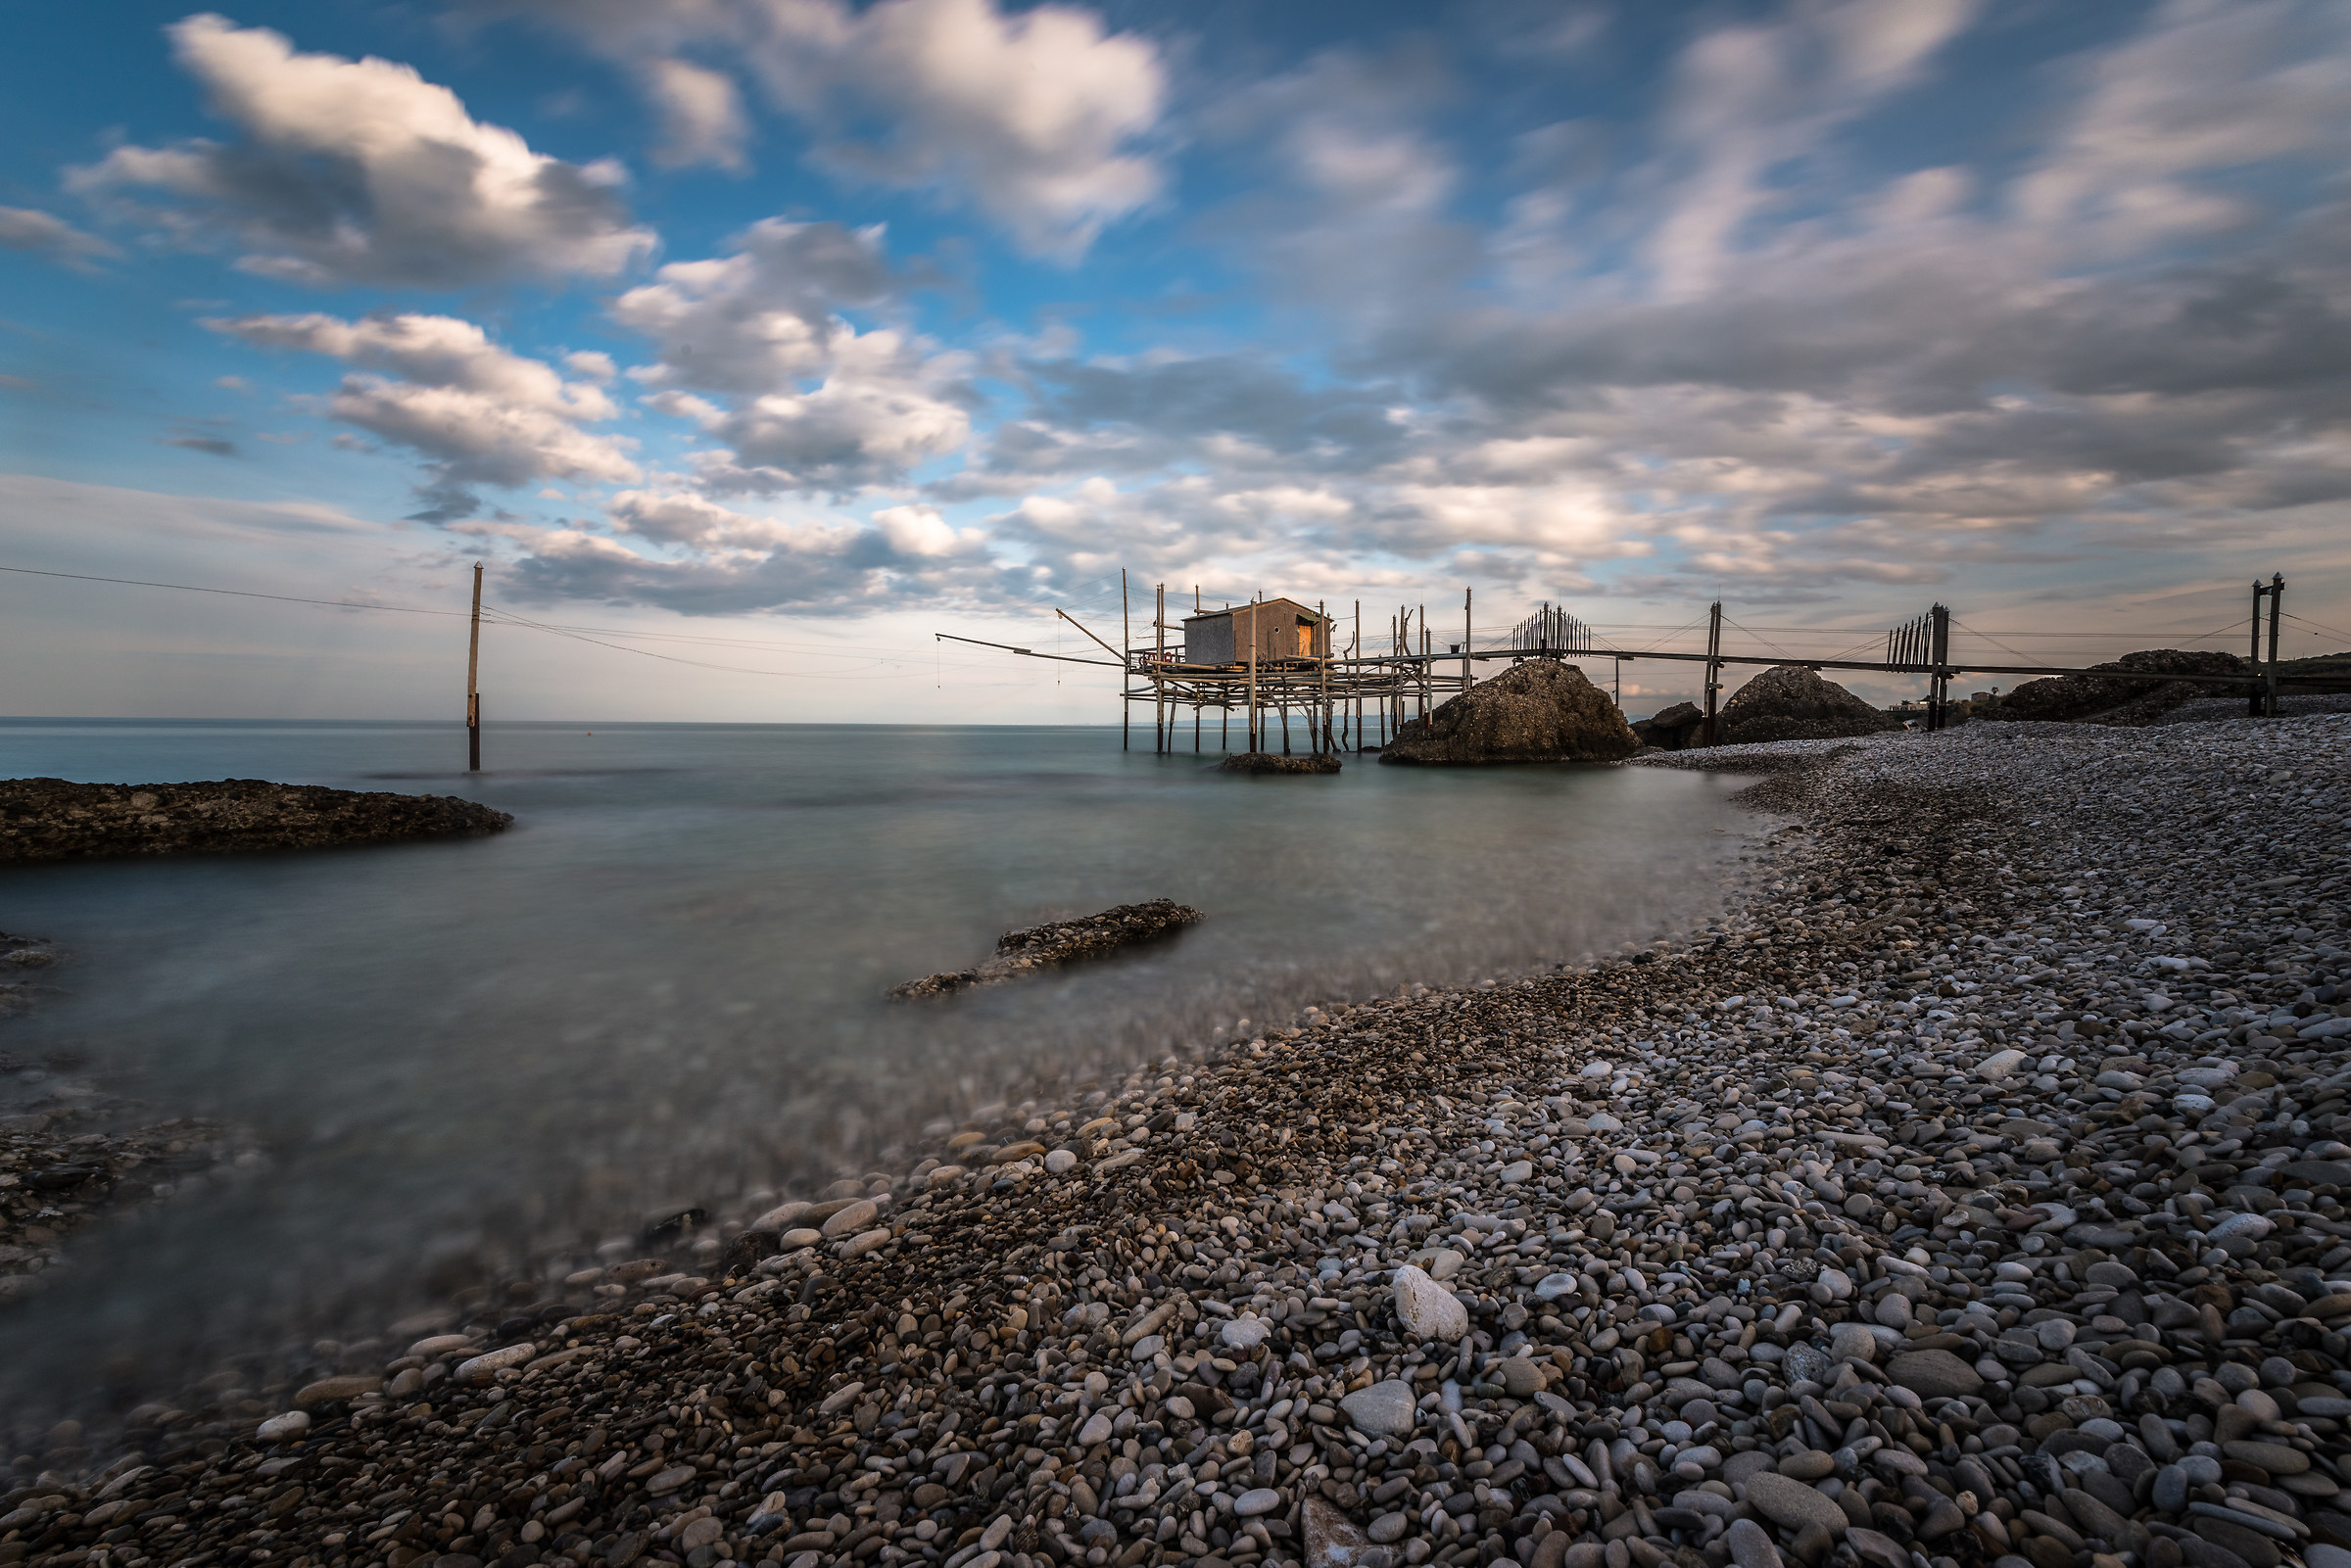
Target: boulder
column 1787, row 703
column 2095, row 698
column 1541, row 711
column 1674, row 728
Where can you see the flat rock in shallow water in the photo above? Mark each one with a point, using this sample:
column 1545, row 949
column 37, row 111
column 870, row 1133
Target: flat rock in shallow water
column 1272, row 762
column 1042, row 948
column 50, row 819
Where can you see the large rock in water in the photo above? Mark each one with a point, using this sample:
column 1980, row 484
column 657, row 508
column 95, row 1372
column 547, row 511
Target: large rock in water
column 1787, row 703
column 1541, row 711
column 50, row 819
column 1674, row 728
column 2106, row 699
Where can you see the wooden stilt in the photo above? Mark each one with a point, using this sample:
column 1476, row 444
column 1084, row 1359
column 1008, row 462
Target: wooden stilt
column 473, row 671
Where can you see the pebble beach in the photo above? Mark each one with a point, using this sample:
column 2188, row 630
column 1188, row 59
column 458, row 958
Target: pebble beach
column 1969, row 1192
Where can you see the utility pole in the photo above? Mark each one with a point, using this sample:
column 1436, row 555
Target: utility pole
column 473, row 691
column 2277, row 601
column 1713, row 666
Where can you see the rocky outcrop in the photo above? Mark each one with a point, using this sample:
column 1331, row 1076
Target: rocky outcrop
column 1541, row 711
column 1788, row 703
column 1272, row 762
column 1674, row 728
column 50, row 819
column 2095, row 698
column 1040, row 947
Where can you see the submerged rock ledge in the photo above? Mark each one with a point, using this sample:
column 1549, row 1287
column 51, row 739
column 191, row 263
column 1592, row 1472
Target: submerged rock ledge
column 51, row 818
column 1040, row 947
column 1972, row 1194
column 1275, row 762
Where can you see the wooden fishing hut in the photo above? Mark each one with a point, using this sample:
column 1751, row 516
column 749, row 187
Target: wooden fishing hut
column 1267, row 658
column 1272, row 631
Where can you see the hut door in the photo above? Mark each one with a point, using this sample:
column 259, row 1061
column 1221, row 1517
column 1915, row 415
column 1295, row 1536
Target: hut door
column 1305, row 641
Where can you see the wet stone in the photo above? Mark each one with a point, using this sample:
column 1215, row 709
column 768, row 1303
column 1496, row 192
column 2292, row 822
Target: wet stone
column 1384, row 1409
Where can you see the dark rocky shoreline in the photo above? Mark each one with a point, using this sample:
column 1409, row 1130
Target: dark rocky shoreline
column 52, row 819
column 1971, row 1193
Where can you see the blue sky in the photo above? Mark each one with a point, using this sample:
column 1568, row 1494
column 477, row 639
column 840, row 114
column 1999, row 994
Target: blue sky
column 803, row 329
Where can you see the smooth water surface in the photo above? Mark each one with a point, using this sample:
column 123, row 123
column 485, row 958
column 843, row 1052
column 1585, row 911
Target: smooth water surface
column 665, row 982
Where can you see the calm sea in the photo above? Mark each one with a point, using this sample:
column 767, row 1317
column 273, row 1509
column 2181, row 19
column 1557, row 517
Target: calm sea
column 665, row 983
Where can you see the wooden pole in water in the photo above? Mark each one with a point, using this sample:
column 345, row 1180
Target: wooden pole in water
column 1466, row 626
column 1253, row 672
column 473, row 691
column 1125, row 664
column 1323, row 674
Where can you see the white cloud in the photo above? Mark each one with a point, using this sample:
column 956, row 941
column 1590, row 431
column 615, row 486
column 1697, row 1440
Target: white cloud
column 1749, row 98
column 479, row 413
column 803, row 400
column 876, row 413
column 681, row 517
column 920, row 531
column 1037, row 118
column 2210, row 87
column 363, row 173
column 713, row 559
column 22, row 228
column 702, row 117
column 761, row 317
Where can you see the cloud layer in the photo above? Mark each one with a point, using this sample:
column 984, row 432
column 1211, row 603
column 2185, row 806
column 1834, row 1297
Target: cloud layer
column 1790, row 306
column 363, row 173
column 439, row 387
column 1040, row 119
